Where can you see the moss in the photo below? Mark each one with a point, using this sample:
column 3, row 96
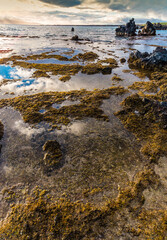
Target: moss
column 65, row 78
column 53, row 157
column 90, row 102
column 145, row 118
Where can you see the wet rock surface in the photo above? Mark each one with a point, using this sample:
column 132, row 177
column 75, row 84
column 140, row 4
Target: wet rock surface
column 155, row 60
column 128, row 30
column 53, row 155
column 147, row 30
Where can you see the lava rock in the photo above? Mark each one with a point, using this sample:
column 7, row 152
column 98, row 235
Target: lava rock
column 128, row 30
column 156, row 59
column 148, row 30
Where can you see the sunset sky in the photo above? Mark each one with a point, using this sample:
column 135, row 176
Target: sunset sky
column 73, row 12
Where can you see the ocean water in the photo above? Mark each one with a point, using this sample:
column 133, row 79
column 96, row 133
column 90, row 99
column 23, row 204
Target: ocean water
column 27, row 40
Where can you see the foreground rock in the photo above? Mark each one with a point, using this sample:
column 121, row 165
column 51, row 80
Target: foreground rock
column 128, row 30
column 155, row 60
column 148, row 30
column 53, row 156
column 76, row 38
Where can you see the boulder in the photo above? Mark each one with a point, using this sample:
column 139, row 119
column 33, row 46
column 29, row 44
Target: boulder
column 156, row 59
column 128, row 30
column 148, row 30
column 75, row 38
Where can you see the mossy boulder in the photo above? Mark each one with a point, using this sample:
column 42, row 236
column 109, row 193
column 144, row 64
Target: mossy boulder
column 53, row 155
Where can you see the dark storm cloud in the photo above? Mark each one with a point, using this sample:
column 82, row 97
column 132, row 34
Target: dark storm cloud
column 118, row 7
column 64, row 3
column 135, row 5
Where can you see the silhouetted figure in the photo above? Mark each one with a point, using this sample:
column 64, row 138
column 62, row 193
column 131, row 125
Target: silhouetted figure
column 72, row 29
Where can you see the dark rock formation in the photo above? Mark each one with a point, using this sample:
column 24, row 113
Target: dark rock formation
column 76, row 38
column 155, row 60
column 122, row 60
column 148, row 30
column 128, row 30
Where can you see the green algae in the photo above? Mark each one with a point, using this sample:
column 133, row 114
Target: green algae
column 116, row 78
column 43, row 217
column 145, row 118
column 65, row 78
column 40, row 73
column 150, row 86
column 88, row 56
column 89, row 106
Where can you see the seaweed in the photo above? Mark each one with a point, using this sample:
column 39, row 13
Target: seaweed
column 146, row 118
column 43, row 217
column 65, row 78
column 90, row 101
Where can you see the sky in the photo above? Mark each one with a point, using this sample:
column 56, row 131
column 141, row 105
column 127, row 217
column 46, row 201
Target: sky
column 81, row 12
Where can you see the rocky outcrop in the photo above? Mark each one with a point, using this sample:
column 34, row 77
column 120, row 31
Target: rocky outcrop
column 76, row 38
column 147, row 30
column 128, row 30
column 155, row 60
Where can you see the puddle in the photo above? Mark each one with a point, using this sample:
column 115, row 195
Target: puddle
column 8, row 72
column 53, row 61
column 65, row 103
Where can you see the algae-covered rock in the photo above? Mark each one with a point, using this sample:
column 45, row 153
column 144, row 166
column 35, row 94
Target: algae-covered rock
column 147, row 119
column 155, row 60
column 53, row 155
column 88, row 56
column 43, row 217
column 148, row 30
column 89, row 105
column 65, row 78
column 128, row 30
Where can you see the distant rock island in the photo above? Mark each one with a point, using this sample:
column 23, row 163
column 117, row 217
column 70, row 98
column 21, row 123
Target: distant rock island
column 130, row 29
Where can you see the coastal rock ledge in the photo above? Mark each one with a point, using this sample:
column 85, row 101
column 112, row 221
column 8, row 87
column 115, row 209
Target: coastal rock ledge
column 155, row 60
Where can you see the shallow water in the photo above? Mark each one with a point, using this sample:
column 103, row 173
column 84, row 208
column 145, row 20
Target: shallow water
column 95, row 153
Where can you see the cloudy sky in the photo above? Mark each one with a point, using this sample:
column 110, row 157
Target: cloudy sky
column 73, row 12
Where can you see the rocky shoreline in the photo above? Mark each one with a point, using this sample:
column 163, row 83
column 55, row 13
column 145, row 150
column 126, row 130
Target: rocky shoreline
column 96, row 170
